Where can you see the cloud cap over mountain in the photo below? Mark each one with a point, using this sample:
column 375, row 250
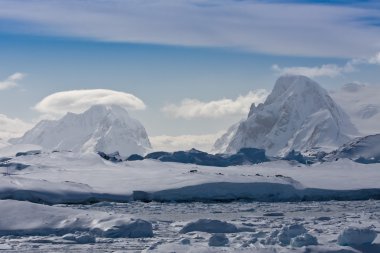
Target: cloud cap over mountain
column 77, row 101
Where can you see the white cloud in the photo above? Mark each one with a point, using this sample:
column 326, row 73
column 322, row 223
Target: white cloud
column 11, row 81
column 375, row 59
column 202, row 142
column 57, row 104
column 12, row 127
column 193, row 108
column 329, row 70
column 361, row 102
column 276, row 28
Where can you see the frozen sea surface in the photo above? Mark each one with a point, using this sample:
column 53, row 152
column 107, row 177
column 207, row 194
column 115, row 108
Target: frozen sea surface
column 66, row 177
column 260, row 227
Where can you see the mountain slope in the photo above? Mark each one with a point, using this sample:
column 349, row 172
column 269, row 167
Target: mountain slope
column 298, row 114
column 363, row 149
column 222, row 142
column 101, row 128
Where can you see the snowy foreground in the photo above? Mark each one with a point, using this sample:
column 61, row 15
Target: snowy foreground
column 344, row 227
column 95, row 207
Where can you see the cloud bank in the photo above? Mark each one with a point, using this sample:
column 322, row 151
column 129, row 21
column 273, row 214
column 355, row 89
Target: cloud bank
column 12, row 127
column 168, row 143
column 58, row 104
column 11, row 81
column 361, row 102
column 275, row 27
column 193, row 108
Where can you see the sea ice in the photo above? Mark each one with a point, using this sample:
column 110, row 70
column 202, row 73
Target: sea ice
column 209, row 226
column 303, row 240
column 352, row 236
column 25, row 218
column 218, row 240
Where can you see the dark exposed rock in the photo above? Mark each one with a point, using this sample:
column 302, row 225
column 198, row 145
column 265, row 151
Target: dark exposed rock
column 5, row 159
column 16, row 166
column 298, row 157
column 135, row 157
column 31, row 152
column 113, row 157
column 193, row 156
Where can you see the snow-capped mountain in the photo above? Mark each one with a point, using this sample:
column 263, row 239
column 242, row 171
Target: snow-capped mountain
column 105, row 128
column 298, row 114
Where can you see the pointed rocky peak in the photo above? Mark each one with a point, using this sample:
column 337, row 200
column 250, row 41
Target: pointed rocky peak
column 294, row 85
column 252, row 109
column 298, row 114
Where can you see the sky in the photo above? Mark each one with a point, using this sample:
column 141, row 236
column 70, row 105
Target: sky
column 187, row 69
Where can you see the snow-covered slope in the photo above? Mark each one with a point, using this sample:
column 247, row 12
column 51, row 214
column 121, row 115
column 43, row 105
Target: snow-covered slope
column 106, row 128
column 298, row 114
column 67, row 177
column 363, row 149
column 221, row 143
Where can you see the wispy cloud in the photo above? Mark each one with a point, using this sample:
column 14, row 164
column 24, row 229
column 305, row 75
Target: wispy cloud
column 57, row 104
column 11, row 81
column 276, row 27
column 193, row 108
column 327, row 70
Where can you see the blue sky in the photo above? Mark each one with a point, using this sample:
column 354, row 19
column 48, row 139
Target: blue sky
column 175, row 54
